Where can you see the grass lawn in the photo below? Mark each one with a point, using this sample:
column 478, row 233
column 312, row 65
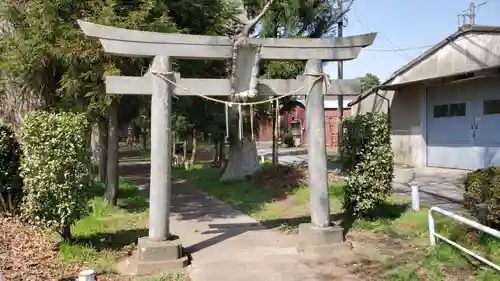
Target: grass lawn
column 110, row 233
column 392, row 242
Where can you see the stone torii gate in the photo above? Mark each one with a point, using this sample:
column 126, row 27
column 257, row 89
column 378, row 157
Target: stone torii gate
column 160, row 251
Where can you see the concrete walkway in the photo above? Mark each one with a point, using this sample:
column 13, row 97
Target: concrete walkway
column 442, row 187
column 438, row 187
column 225, row 244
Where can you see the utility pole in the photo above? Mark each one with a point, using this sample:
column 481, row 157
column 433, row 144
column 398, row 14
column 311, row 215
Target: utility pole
column 340, row 99
column 470, row 13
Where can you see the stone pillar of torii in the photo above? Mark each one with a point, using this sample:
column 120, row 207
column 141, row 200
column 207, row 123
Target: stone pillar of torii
column 161, row 250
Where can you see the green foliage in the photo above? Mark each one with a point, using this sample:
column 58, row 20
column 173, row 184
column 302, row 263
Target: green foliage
column 10, row 180
column 482, row 195
column 47, row 53
column 298, row 18
column 367, row 161
column 55, row 167
column 289, row 19
column 369, row 81
column 50, row 55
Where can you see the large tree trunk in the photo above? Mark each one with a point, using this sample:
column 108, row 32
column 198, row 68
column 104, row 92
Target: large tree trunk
column 276, row 132
column 185, row 162
column 66, row 232
column 99, row 144
column 243, row 160
column 94, row 143
column 112, row 167
column 193, row 149
column 103, row 151
column 144, row 141
column 222, row 152
column 216, row 153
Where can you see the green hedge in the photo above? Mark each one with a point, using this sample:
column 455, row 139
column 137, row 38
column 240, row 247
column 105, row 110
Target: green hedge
column 482, row 195
column 367, row 161
column 10, row 180
column 55, row 167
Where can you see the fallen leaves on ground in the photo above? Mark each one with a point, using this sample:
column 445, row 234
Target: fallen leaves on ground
column 284, row 177
column 279, row 176
column 25, row 254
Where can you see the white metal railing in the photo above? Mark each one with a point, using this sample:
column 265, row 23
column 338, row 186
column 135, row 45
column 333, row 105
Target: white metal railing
column 433, row 235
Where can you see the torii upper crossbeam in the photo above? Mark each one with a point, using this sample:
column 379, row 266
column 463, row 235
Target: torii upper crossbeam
column 127, row 42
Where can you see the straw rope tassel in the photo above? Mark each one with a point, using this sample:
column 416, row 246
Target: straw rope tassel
column 279, row 97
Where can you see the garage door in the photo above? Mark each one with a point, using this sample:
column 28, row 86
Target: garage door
column 463, row 125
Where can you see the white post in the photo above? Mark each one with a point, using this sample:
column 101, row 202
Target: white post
column 432, row 230
column 86, row 275
column 415, row 200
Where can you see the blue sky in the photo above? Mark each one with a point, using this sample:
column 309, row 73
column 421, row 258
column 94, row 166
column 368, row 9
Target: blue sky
column 403, row 24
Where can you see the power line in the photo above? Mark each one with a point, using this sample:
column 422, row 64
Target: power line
column 470, row 13
column 366, row 29
column 424, row 46
column 395, row 48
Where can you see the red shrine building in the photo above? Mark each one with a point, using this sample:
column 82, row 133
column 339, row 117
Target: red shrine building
column 295, row 118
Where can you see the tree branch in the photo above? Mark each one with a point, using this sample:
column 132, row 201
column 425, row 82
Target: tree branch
column 248, row 26
column 332, row 24
column 344, row 11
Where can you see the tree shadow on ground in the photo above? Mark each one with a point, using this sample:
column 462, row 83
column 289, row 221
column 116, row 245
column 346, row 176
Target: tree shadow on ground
column 130, row 198
column 112, row 240
column 384, row 211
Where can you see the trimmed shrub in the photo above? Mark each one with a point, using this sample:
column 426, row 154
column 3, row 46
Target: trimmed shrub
column 55, row 166
column 482, row 195
column 10, row 180
column 367, row 161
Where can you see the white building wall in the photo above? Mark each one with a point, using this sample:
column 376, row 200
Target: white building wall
column 408, row 124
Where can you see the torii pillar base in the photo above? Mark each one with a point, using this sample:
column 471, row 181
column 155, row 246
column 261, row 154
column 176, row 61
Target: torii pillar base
column 154, row 257
column 322, row 242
